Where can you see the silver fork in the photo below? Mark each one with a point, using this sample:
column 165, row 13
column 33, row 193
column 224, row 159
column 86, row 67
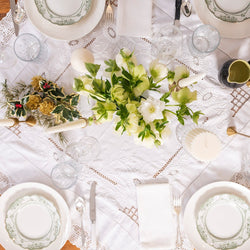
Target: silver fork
column 109, row 12
column 177, row 209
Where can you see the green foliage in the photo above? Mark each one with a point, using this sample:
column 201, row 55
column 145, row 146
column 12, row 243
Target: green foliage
column 112, row 66
column 92, row 68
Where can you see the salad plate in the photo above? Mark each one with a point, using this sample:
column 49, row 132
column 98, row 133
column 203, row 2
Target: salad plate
column 217, row 216
column 66, row 32
column 34, row 216
column 225, row 16
column 223, row 221
column 230, row 11
column 63, row 12
column 32, row 221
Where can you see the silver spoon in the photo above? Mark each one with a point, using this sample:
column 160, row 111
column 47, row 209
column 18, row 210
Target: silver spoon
column 186, row 8
column 80, row 206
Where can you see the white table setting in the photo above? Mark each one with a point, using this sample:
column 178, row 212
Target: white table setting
column 124, row 124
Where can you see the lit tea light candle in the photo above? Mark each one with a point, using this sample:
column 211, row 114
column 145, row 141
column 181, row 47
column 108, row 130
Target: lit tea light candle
column 78, row 59
column 7, row 122
column 202, row 144
column 81, row 123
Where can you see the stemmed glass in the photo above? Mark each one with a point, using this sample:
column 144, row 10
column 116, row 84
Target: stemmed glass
column 66, row 173
column 167, row 43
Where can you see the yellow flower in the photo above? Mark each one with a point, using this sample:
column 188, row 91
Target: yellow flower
column 47, row 106
column 34, row 102
column 35, row 82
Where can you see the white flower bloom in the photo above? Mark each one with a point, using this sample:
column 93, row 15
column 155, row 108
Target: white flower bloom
column 158, row 70
column 180, row 73
column 121, row 62
column 151, row 109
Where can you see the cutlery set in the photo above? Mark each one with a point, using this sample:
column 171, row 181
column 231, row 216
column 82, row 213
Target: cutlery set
column 80, row 207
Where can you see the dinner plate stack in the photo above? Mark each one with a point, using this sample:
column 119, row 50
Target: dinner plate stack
column 231, row 18
column 33, row 216
column 63, row 19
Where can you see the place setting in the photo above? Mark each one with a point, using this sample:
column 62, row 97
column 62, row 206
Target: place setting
column 125, row 92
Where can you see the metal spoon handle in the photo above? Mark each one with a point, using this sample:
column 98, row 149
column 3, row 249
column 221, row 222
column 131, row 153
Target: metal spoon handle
column 243, row 135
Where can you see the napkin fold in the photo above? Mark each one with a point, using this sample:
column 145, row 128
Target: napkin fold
column 134, row 18
column 157, row 224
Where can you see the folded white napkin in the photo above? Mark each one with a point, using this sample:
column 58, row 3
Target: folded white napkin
column 134, row 18
column 157, row 225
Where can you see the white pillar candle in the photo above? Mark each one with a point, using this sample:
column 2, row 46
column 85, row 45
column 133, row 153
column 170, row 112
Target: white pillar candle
column 78, row 59
column 7, row 122
column 81, row 123
column 202, row 144
column 189, row 80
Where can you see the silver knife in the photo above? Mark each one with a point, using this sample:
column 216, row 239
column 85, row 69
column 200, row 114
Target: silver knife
column 92, row 214
column 13, row 8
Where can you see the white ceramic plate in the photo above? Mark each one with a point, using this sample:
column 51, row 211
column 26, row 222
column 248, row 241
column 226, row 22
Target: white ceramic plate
column 197, row 201
column 226, row 29
column 66, row 32
column 28, row 189
column 63, row 12
column 230, row 11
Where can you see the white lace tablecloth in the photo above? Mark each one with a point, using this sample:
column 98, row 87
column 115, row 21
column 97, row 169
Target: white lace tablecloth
column 27, row 154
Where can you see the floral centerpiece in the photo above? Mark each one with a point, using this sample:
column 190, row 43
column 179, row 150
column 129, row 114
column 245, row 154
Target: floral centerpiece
column 123, row 96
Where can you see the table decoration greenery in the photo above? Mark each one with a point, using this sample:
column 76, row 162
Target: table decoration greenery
column 42, row 99
column 123, row 97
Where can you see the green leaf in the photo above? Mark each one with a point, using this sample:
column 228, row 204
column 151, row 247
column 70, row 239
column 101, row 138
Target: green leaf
column 58, row 109
column 78, row 86
column 196, row 116
column 67, row 114
column 74, row 100
column 164, row 98
column 112, row 66
column 92, row 68
column 127, row 74
column 56, row 93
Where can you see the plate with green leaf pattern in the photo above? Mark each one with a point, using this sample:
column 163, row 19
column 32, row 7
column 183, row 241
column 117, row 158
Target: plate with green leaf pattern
column 229, row 10
column 63, row 12
column 223, row 221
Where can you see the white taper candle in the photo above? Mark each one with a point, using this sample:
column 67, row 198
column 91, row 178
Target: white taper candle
column 7, row 122
column 81, row 123
column 189, row 80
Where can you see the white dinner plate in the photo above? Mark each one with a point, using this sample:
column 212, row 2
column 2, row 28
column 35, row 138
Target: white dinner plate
column 66, row 32
column 29, row 189
column 226, row 29
column 63, row 12
column 200, row 198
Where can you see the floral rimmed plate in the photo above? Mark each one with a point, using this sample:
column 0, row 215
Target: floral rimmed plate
column 63, row 12
column 230, row 11
column 223, row 221
column 32, row 222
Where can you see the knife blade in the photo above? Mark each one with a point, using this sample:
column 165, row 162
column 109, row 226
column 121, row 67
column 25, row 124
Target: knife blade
column 13, row 8
column 177, row 12
column 92, row 214
column 92, row 203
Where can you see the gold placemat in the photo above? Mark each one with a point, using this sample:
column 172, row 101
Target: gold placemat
column 67, row 246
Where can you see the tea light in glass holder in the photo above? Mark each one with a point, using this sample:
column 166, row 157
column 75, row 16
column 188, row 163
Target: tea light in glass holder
column 202, row 144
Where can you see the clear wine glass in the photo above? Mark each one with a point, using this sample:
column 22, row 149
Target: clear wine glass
column 70, row 167
column 167, row 43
